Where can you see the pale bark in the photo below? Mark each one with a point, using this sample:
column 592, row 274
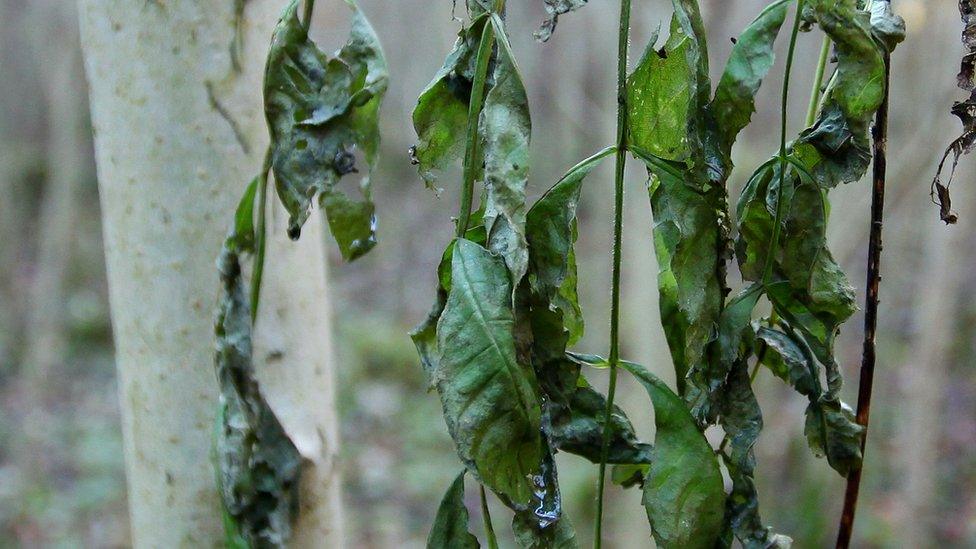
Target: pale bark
column 178, row 135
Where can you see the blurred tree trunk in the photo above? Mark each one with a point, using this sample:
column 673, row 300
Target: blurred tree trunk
column 67, row 167
column 178, row 135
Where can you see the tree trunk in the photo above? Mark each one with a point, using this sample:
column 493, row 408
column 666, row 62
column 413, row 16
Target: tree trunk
column 178, row 135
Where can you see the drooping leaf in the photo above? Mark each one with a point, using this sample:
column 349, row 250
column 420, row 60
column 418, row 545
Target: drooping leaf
column 742, row 421
column 837, row 149
column 505, row 128
column 490, row 399
column 450, row 529
column 258, row 466
column 581, row 432
column 321, row 109
column 441, row 115
column 424, row 336
column 965, row 111
column 555, row 8
column 830, row 426
column 733, row 333
column 748, row 64
column 683, row 493
column 688, row 241
column 555, row 317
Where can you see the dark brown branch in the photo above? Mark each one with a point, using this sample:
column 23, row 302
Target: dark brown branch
column 880, row 135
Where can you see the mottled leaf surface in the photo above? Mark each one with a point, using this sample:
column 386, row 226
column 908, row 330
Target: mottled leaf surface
column 321, row 110
column 490, row 399
column 258, row 466
column 505, row 128
column 830, row 428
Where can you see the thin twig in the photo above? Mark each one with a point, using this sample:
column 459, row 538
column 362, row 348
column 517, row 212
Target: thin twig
column 880, row 135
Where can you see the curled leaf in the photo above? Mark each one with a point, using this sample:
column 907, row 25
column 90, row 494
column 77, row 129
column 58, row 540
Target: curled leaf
column 258, row 466
column 830, row 426
column 555, row 8
column 505, row 128
column 441, row 116
column 322, row 109
column 965, row 111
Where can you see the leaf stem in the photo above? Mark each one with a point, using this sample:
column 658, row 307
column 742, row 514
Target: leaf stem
column 475, row 106
column 868, row 357
column 623, row 44
column 261, row 237
column 816, row 92
column 774, row 243
column 486, row 518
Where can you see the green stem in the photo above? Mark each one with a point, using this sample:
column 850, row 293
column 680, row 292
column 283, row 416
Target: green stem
column 261, row 237
column 774, row 243
column 816, row 92
column 475, row 106
column 623, row 44
column 486, row 518
column 307, row 16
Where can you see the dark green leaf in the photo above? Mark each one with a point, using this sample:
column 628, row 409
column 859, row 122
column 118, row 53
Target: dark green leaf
column 555, row 316
column 258, row 466
column 683, row 493
column 450, row 530
column 687, row 241
column 830, row 426
column 742, row 420
column 490, row 399
column 734, row 333
column 528, row 535
column 581, row 431
column 320, row 110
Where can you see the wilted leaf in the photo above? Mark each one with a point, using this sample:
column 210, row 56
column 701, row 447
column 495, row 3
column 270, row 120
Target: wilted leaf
column 741, row 418
column 441, row 115
column 258, row 466
column 830, row 426
column 450, row 529
column 749, row 62
column 505, row 128
column 581, row 432
column 320, row 111
column 555, row 8
column 965, row 111
column 491, row 401
column 683, row 493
